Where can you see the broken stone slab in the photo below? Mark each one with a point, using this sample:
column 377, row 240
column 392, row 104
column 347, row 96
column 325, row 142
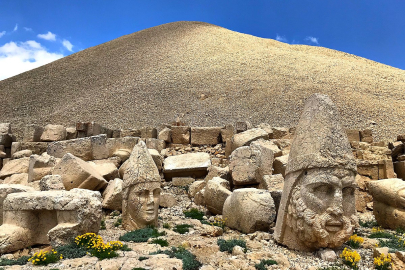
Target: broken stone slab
column 156, row 144
column 88, row 148
column 21, row 154
column 216, row 192
column 196, row 187
column 376, row 169
column 125, row 143
column 71, row 133
column 280, row 165
column 148, row 132
column 248, row 136
column 180, row 134
column 9, row 189
column 266, row 127
column 249, row 210
column 17, row 179
column 77, row 173
column 48, row 217
column 107, row 170
column 157, row 158
column 205, row 135
column 39, row 166
column 51, row 182
column 182, row 181
column 227, row 133
column 193, row 164
column 53, row 133
column 112, row 195
column 130, row 133
column 37, row 148
column 14, row 166
column 165, row 135
column 215, row 171
column 272, row 182
column 32, row 133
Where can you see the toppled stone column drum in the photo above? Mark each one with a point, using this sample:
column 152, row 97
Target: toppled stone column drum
column 141, row 190
column 48, row 217
column 317, row 208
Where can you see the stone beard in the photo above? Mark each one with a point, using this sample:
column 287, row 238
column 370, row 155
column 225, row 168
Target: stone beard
column 321, row 210
column 141, row 205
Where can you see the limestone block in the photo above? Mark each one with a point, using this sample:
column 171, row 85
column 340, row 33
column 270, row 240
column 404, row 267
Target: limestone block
column 266, row 127
column 205, row 135
column 193, row 164
column 53, row 133
column 5, row 128
column 6, row 139
column 272, row 182
column 248, row 136
column 399, row 168
column 156, row 144
column 123, row 168
column 107, row 170
column 126, row 143
column 157, row 158
column 167, row 200
column 14, row 166
column 39, row 166
column 165, row 135
column 112, row 195
column 397, row 149
column 182, row 181
column 130, row 133
column 37, row 148
column 17, row 179
column 88, row 148
column 48, row 217
column 5, row 190
column 216, row 192
column 199, row 197
column 215, row 171
column 196, row 187
column 353, row 135
column 366, row 136
column 280, row 165
column 249, row 210
column 227, row 132
column 76, row 173
column 180, row 134
column 71, row 133
column 21, row 154
column 51, row 182
column 362, row 199
column 280, row 132
column 148, row 132
column 32, row 133
column 242, row 126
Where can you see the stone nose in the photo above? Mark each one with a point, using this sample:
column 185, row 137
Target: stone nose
column 337, row 204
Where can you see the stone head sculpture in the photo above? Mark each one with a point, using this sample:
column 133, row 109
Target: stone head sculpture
column 141, row 190
column 317, row 207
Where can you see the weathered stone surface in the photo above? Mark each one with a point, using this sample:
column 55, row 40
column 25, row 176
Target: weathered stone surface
column 227, row 132
column 71, row 133
column 126, row 143
column 22, row 154
column 193, row 164
column 353, row 135
column 280, row 132
column 51, row 182
column 205, row 135
column 310, row 218
column 14, row 166
column 199, row 197
column 399, row 168
column 397, row 149
column 280, row 165
column 216, row 192
column 165, row 135
column 215, row 171
column 17, row 179
column 141, row 190
column 9, row 189
column 249, row 210
column 272, row 182
column 182, row 181
column 242, row 126
column 37, row 148
column 6, row 139
column 48, row 217
column 112, row 195
column 266, row 127
column 148, row 132
column 39, row 166
column 157, row 158
column 196, row 187
column 32, row 133
column 77, row 173
column 107, row 170
column 248, row 136
column 5, row 128
column 53, row 133
column 88, row 148
column 167, row 200
column 388, row 202
column 366, row 136
column 152, row 143
column 180, row 134
column 130, row 133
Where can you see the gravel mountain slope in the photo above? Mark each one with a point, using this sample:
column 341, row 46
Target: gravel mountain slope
column 152, row 76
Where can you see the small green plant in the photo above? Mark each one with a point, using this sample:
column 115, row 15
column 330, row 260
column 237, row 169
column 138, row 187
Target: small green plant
column 189, row 260
column 186, row 188
column 143, row 258
column 118, row 222
column 125, row 248
column 382, row 262
column 20, row 261
column 102, row 225
column 161, row 242
column 182, row 228
column 228, row 245
column 219, row 222
column 264, row 263
column 71, row 251
column 141, row 235
column 350, row 258
column 194, row 213
column 166, row 225
column 355, row 241
column 377, row 232
column 368, row 223
column 400, row 231
column 115, row 213
column 45, row 257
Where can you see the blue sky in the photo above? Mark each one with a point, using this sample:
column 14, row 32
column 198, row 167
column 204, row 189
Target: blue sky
column 33, row 33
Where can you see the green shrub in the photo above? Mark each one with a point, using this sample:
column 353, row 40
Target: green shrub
column 368, row 223
column 182, row 228
column 94, row 244
column 118, row 222
column 189, row 260
column 71, row 251
column 141, row 235
column 45, row 257
column 166, row 225
column 382, row 234
column 143, row 258
column 228, row 245
column 194, row 213
column 161, row 242
column 263, row 264
column 102, row 225
column 20, row 261
column 125, row 248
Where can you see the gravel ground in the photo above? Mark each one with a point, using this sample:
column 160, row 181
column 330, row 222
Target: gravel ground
column 152, row 76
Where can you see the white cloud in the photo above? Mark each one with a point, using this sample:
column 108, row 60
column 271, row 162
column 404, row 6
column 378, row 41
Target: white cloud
column 28, row 29
column 2, row 33
column 66, row 43
column 281, row 38
column 48, row 36
column 312, row 40
column 15, row 27
column 16, row 58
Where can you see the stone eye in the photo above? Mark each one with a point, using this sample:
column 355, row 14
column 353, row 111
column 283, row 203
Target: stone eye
column 324, row 189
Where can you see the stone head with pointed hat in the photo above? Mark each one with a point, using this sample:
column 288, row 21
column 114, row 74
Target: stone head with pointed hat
column 141, row 190
column 317, row 208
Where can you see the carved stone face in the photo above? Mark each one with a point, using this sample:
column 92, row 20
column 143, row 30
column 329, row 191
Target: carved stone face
column 142, row 205
column 322, row 207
